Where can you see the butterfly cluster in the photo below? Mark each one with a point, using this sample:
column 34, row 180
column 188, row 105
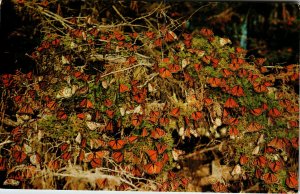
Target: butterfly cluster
column 122, row 114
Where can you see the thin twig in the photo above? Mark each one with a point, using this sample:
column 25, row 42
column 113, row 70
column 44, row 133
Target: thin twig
column 201, row 151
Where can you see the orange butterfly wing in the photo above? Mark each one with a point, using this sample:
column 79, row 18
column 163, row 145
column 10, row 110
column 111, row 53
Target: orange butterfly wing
column 161, row 148
column 96, row 162
column 175, row 112
column 123, row 88
column 66, row 156
column 152, row 155
column 196, row 115
column 157, row 133
column 292, row 180
column 237, row 91
column 275, row 166
column 274, row 112
column 109, row 126
column 231, row 103
column 118, row 157
column 136, row 119
column 164, row 73
column 256, row 111
column 117, row 144
column 269, row 178
column 164, row 121
column 2, row 164
column 153, row 168
column 19, row 156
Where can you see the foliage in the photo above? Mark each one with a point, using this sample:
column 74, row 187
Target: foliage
column 106, row 102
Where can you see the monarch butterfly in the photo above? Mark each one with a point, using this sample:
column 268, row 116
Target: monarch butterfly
column 244, row 159
column 227, row 73
column 161, row 148
column 164, row 121
column 234, row 66
column 117, row 144
column 187, row 36
column 292, row 181
column 175, row 112
column 102, row 183
column 242, row 73
column 2, row 163
column 206, row 59
column 144, row 132
column 158, row 42
column 164, row 73
column 219, row 187
column 110, row 113
column 109, row 126
column 277, row 143
column 292, row 109
column 62, row 115
column 157, row 133
column 26, row 110
column 19, row 156
column 214, row 82
column 233, row 132
column 165, row 158
column 231, row 103
column 275, row 166
column 256, row 111
column 81, row 155
column 264, row 106
column 208, row 101
column 123, row 88
column 140, row 97
column 187, row 43
column 54, row 164
column 231, row 121
column 196, row 115
column 137, row 119
column 252, row 77
column 136, row 172
column 259, row 88
column 215, row 62
column 174, row 68
column 51, row 105
column 96, row 162
column 119, row 36
column 260, row 161
column 118, row 157
column 18, row 99
column 206, row 32
column 170, row 36
column 66, row 156
column 153, row 168
column 225, row 113
column 269, row 178
column 274, row 112
column 154, row 115
column 85, row 103
column 81, row 116
column 108, row 102
column 152, row 155
column 132, row 138
column 254, row 127
column 63, row 147
column 197, row 66
column 237, row 91
column 258, row 173
column 295, row 142
column 150, row 34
